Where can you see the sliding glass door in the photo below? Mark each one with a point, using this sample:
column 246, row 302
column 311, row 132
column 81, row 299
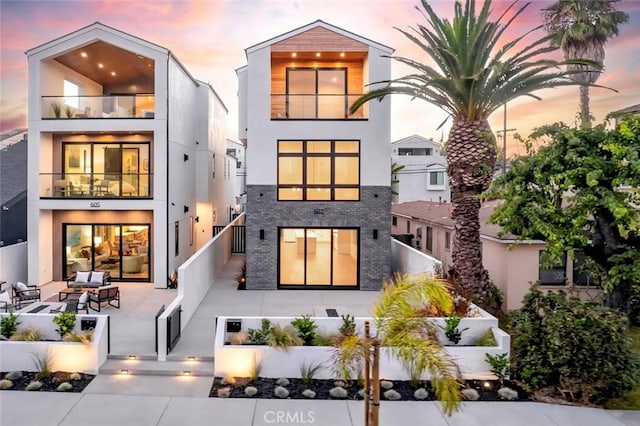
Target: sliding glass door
column 121, row 249
column 318, row 257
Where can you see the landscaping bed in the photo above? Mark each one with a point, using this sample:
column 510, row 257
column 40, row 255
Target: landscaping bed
column 78, row 381
column 487, row 389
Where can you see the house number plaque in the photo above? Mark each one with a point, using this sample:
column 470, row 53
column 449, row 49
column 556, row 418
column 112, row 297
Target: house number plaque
column 94, row 204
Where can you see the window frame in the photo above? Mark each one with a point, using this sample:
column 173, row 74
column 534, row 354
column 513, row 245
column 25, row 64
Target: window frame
column 316, row 94
column 447, row 240
column 429, row 239
column 552, row 270
column 332, row 155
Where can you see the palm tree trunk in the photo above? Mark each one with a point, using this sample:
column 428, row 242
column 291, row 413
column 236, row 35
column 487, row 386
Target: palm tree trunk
column 471, row 156
column 585, row 114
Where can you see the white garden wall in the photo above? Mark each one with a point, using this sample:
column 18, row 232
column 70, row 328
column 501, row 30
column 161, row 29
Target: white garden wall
column 238, row 360
column 65, row 356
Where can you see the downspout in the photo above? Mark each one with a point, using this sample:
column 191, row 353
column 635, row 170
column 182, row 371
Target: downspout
column 168, row 203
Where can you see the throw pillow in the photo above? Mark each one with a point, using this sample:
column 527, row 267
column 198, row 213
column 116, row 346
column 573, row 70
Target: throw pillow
column 82, row 300
column 21, row 286
column 82, row 276
column 104, row 287
column 97, row 277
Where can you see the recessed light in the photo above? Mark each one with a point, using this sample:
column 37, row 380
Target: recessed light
column 342, row 54
column 140, row 57
column 318, row 55
column 100, row 65
column 294, row 54
column 113, row 73
column 191, row 358
column 84, row 54
column 124, row 372
column 132, row 357
column 186, row 373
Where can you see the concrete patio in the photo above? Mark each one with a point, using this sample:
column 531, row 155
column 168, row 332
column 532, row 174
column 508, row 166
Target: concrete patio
column 167, row 400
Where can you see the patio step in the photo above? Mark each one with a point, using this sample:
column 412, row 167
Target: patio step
column 156, row 368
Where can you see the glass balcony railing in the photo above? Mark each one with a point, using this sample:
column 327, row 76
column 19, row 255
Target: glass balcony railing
column 95, row 185
column 120, row 106
column 314, row 107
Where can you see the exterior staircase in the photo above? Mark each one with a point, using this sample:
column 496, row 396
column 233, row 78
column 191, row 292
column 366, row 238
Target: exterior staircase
column 148, row 365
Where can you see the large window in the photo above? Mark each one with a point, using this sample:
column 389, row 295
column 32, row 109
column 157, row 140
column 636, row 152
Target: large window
column 318, row 257
column 415, row 151
column 107, row 169
column 123, row 250
column 316, row 93
column 318, row 170
column 436, row 178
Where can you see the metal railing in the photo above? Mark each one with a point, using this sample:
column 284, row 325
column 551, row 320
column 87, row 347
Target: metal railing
column 95, row 185
column 117, row 106
column 173, row 328
column 314, row 107
column 237, row 237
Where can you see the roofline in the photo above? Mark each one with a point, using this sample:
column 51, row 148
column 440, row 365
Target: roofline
column 317, row 23
column 416, row 136
column 96, row 24
column 214, row 93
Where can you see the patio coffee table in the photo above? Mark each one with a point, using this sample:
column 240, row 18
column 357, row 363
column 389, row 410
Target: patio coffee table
column 67, row 293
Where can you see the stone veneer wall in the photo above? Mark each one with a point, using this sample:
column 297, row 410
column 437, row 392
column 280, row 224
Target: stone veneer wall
column 263, row 211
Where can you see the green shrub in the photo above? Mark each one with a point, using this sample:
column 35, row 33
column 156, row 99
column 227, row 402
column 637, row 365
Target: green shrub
column 499, row 365
column 486, row 339
column 306, row 329
column 43, row 364
column 452, row 330
column 348, row 327
column 283, row 338
column 29, row 334
column 84, row 337
column 260, row 336
column 584, row 348
column 9, row 324
column 308, row 371
column 65, row 321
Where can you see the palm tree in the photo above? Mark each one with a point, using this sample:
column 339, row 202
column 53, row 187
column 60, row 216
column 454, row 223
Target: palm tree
column 395, row 169
column 471, row 78
column 582, row 28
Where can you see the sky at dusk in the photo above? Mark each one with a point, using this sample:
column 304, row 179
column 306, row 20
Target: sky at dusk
column 209, row 38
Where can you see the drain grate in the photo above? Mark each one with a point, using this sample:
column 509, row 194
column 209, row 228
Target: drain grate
column 332, row 312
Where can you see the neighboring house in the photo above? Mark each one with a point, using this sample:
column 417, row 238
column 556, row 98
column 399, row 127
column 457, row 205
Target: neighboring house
column 633, row 110
column 318, row 201
column 13, row 187
column 512, row 265
column 237, row 151
column 424, row 173
column 124, row 144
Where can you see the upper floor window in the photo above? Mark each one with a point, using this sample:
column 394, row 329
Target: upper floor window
column 318, row 170
column 316, row 93
column 415, row 151
column 436, row 179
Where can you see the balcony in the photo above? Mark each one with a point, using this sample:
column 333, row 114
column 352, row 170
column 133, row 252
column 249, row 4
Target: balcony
column 95, row 185
column 314, row 107
column 90, row 107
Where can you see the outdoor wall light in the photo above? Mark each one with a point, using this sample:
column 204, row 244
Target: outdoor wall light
column 186, row 373
column 132, row 357
column 124, row 372
column 375, row 234
column 197, row 219
column 191, row 358
column 186, row 157
column 262, row 234
column 186, row 209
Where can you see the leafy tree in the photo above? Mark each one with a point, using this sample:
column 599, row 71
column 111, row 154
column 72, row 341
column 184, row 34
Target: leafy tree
column 472, row 76
column 582, row 28
column 579, row 193
column 395, row 169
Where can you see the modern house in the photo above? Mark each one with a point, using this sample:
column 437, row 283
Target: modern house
column 13, row 187
column 422, row 173
column 123, row 148
column 512, row 265
column 318, row 187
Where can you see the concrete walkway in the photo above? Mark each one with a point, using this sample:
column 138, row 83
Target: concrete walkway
column 178, row 400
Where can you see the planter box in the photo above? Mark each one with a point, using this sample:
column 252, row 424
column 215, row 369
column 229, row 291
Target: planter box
column 65, row 356
column 238, row 360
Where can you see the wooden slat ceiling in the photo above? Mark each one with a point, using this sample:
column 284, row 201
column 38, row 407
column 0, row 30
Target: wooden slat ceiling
column 331, row 46
column 128, row 66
